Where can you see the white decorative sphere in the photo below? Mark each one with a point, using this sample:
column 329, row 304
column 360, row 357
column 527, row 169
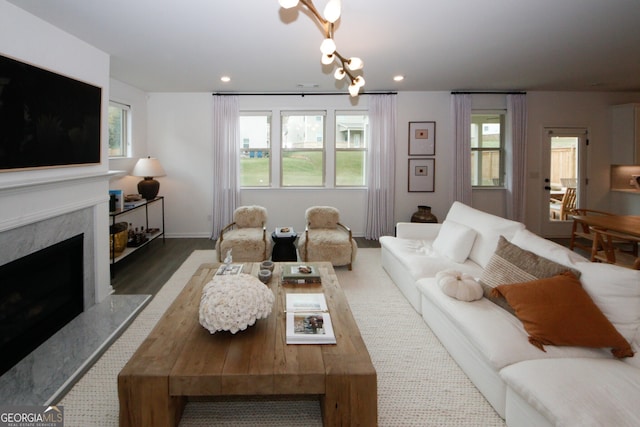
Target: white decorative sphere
column 233, row 303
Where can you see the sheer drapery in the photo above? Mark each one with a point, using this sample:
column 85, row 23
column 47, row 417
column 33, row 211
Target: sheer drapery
column 461, row 106
column 226, row 162
column 381, row 166
column 516, row 155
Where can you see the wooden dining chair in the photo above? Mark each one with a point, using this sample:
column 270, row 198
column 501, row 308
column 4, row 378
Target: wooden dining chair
column 581, row 231
column 605, row 250
column 560, row 210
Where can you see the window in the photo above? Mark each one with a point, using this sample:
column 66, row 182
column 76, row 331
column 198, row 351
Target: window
column 352, row 131
column 118, row 129
column 255, row 150
column 487, row 149
column 322, row 149
column 302, row 149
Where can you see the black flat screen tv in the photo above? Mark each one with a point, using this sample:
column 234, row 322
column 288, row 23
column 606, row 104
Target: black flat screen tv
column 46, row 119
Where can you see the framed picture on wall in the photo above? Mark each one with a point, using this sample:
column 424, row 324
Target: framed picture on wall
column 422, row 138
column 422, row 175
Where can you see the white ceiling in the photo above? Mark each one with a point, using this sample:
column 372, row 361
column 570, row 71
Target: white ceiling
column 187, row 45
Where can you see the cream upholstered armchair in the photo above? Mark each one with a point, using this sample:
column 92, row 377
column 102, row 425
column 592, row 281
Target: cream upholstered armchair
column 246, row 236
column 326, row 239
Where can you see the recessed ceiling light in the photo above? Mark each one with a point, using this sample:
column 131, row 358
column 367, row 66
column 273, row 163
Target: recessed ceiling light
column 225, row 79
column 398, row 78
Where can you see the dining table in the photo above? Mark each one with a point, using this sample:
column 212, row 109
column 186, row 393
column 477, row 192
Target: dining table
column 627, row 224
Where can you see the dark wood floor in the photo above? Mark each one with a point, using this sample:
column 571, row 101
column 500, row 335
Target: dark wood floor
column 146, row 270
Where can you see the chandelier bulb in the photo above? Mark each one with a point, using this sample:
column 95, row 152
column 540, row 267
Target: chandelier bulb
column 355, row 63
column 354, row 89
column 339, row 74
column 327, row 59
column 328, row 46
column 288, row 4
column 359, row 81
column 332, row 10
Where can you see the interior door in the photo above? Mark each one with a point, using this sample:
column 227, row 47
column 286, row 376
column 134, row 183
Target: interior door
column 564, row 153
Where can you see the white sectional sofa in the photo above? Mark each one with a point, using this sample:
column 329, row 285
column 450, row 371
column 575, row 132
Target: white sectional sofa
column 564, row 385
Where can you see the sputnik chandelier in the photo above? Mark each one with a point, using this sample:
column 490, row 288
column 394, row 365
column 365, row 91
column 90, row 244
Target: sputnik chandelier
column 328, row 46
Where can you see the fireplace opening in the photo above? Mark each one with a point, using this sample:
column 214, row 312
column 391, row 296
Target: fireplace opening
column 39, row 294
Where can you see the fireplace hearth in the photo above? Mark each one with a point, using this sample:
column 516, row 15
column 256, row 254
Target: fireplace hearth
column 39, row 294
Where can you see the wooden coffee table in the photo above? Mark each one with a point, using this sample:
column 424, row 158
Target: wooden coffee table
column 180, row 358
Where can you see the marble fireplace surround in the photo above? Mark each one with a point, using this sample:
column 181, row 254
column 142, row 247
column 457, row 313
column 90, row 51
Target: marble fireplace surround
column 19, row 242
column 39, row 213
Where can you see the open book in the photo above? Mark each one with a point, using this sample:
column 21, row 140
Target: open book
column 308, row 319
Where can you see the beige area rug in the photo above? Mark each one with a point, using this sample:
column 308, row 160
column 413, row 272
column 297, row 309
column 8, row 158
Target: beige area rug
column 418, row 382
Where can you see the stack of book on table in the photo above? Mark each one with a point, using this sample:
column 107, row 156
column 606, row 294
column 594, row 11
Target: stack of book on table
column 308, row 319
column 300, row 274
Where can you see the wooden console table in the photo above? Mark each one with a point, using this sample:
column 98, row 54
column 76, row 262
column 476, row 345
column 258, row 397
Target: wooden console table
column 180, row 359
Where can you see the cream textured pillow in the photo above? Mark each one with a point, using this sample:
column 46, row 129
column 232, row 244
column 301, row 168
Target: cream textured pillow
column 512, row 264
column 454, row 241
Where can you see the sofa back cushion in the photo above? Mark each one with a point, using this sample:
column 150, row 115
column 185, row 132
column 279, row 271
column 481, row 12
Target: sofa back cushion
column 488, row 229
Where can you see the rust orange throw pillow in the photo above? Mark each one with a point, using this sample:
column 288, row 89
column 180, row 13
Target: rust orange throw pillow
column 558, row 311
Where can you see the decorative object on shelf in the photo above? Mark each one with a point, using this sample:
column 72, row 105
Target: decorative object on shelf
column 233, row 303
column 118, row 234
column 328, row 47
column 421, row 175
column 118, row 200
column 423, row 214
column 148, row 168
column 422, row 138
column 136, row 237
column 636, row 181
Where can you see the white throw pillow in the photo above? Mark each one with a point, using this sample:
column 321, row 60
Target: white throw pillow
column 454, row 241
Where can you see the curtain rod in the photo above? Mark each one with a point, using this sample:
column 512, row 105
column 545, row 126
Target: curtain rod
column 302, row 94
column 506, row 92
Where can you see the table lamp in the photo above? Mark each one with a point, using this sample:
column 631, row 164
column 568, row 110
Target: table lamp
column 148, row 168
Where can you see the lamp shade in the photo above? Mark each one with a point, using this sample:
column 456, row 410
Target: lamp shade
column 148, row 168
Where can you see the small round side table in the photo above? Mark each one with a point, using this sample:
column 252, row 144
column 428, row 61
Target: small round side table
column 284, row 248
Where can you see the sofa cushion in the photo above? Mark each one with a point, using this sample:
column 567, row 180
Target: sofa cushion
column 421, row 260
column 488, row 228
column 579, row 391
column 557, row 311
column 529, row 241
column 495, row 335
column 616, row 291
column 512, row 264
column 454, row 241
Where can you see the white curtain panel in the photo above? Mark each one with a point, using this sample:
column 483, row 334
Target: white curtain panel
column 516, row 155
column 381, row 166
column 461, row 110
column 226, row 161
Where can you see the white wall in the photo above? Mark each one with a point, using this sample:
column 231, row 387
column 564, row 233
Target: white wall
column 29, row 196
column 180, row 129
column 137, row 100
